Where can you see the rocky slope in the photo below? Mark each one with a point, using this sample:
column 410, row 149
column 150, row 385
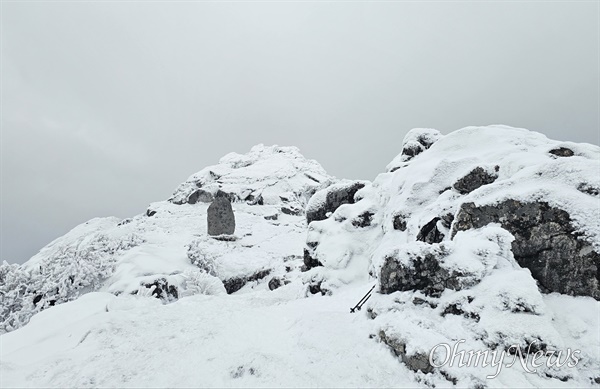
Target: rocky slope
column 488, row 236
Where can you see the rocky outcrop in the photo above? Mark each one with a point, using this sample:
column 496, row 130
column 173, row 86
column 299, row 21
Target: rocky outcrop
column 545, row 242
column 327, row 200
column 309, row 260
column 275, row 283
column 430, row 233
column 474, row 180
column 234, row 284
column 415, row 362
column 200, row 196
column 562, row 152
column 399, row 222
column 423, row 272
column 220, row 217
column 414, row 143
column 256, row 178
column 363, row 220
column 162, row 290
column 418, row 143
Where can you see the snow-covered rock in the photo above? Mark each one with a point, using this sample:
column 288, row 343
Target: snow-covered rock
column 272, row 175
column 156, row 253
column 486, row 239
column 465, row 232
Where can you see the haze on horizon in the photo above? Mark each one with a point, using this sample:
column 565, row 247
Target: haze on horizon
column 108, row 106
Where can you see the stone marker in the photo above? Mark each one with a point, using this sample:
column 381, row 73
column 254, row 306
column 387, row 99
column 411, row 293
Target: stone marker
column 220, row 218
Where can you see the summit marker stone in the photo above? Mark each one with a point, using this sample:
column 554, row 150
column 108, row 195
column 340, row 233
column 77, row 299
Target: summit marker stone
column 220, row 218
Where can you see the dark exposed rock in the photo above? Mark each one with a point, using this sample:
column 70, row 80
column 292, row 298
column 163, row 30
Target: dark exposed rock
column 363, row 220
column 274, row 216
column 150, row 212
column 254, row 200
column 447, row 220
column 220, row 217
column 429, row 233
column 588, row 189
column 453, row 309
column 426, row 140
column 411, row 150
column 231, row 197
column 290, row 210
column 315, row 287
column 562, row 152
column 457, row 309
column 275, row 283
column 416, row 146
column 37, row 299
column 335, row 197
column 475, row 179
column 449, row 377
column 124, row 221
column 424, row 273
column 563, row 378
column 309, row 261
column 234, row 284
column 421, row 301
column 200, row 195
column 545, row 243
column 161, row 289
column 399, row 222
column 415, row 362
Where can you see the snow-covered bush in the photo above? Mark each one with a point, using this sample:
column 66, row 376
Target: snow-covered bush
column 202, row 258
column 69, row 271
column 201, row 282
column 16, row 301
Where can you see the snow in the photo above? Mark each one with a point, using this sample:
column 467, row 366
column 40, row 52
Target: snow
column 265, row 339
column 106, row 329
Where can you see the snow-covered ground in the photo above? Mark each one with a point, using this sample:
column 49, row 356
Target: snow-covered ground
column 253, row 339
column 84, row 311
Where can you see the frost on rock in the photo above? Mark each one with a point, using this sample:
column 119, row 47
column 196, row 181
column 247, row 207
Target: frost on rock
column 475, row 231
column 464, row 238
column 324, row 202
column 415, row 142
column 545, row 243
column 258, row 177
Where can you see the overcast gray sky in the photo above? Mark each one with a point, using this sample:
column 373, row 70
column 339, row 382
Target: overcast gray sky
column 107, row 106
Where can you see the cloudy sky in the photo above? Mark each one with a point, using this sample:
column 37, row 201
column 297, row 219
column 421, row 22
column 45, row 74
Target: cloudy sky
column 107, row 106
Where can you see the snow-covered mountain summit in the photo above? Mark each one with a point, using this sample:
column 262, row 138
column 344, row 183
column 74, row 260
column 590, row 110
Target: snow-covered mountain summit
column 265, row 175
column 269, row 187
column 488, row 236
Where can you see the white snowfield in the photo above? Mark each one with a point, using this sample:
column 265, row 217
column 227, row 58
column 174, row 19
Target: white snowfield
column 83, row 312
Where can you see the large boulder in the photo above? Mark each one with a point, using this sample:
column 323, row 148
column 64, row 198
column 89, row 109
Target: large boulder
column 545, row 242
column 421, row 272
column 326, row 201
column 220, row 217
